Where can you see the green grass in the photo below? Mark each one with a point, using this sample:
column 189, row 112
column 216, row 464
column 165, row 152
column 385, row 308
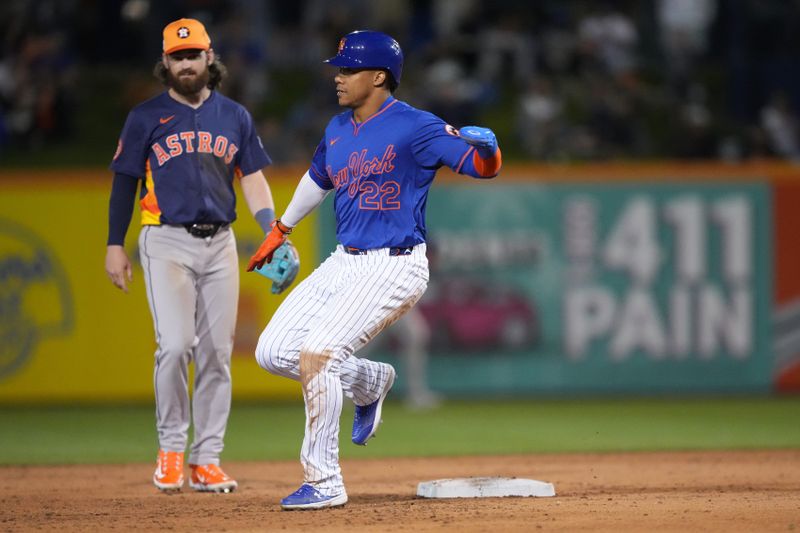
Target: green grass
column 48, row 435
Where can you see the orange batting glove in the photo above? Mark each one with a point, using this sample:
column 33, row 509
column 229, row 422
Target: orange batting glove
column 274, row 239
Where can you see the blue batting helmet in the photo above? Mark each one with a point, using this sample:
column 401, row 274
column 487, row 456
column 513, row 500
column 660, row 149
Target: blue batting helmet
column 369, row 49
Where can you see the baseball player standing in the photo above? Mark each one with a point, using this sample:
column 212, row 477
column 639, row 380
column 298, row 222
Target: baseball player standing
column 380, row 158
column 186, row 145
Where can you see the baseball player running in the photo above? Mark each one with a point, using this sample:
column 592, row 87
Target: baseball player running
column 380, row 158
column 186, row 145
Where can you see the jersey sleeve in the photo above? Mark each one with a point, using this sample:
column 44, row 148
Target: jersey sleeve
column 317, row 171
column 252, row 156
column 132, row 147
column 437, row 143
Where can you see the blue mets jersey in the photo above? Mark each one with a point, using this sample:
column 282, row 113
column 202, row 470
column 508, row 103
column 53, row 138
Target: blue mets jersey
column 382, row 169
column 188, row 157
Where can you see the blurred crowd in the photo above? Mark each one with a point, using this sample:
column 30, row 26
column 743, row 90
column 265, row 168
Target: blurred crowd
column 559, row 80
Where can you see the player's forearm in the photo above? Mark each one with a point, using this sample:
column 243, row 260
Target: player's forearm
column 259, row 200
column 307, row 197
column 120, row 208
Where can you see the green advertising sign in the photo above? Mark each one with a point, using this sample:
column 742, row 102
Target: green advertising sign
column 587, row 288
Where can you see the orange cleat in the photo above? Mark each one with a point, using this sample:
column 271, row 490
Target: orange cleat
column 211, row 478
column 169, row 471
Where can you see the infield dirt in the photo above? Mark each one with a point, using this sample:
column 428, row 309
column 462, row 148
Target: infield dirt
column 690, row 491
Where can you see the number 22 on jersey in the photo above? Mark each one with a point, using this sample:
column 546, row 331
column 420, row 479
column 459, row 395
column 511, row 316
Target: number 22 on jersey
column 377, row 197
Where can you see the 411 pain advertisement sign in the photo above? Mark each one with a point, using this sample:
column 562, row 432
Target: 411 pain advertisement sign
column 625, row 287
column 664, row 275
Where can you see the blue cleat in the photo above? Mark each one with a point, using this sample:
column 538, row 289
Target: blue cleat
column 368, row 417
column 307, row 497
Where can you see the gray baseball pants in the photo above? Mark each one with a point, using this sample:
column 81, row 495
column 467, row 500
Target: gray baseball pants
column 193, row 291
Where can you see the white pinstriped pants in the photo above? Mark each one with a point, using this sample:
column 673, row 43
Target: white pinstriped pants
column 313, row 335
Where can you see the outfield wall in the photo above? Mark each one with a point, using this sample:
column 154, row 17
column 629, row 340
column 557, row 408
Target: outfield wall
column 68, row 333
column 589, row 279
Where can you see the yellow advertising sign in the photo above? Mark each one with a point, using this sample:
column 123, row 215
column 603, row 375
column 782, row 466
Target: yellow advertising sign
column 67, row 333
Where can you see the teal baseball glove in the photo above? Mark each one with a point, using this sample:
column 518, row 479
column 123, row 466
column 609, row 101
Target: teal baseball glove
column 283, row 268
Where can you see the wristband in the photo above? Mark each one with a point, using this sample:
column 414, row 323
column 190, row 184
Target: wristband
column 264, row 217
column 283, row 228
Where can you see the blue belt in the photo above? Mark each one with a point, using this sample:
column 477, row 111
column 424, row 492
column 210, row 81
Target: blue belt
column 396, row 250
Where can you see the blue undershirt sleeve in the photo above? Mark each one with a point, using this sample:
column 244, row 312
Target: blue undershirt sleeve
column 120, row 207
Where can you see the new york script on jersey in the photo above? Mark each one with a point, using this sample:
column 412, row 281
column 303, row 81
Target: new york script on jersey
column 359, row 167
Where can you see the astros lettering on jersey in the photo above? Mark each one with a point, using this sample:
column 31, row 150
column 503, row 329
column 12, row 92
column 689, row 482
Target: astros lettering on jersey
column 163, row 137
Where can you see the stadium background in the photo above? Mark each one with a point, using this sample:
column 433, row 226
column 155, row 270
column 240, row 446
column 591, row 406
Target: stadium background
column 629, row 283
column 639, row 240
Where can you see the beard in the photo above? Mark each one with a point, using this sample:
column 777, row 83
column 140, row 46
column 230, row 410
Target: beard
column 188, row 85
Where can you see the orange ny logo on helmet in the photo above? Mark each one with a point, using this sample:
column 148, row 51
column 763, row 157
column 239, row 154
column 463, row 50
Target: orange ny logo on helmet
column 341, row 44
